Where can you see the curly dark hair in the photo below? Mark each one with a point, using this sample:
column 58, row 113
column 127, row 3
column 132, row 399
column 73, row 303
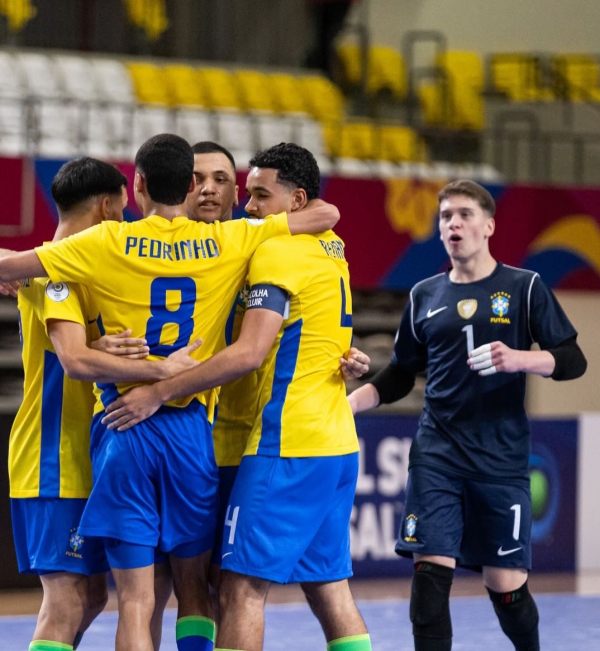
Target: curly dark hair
column 295, row 166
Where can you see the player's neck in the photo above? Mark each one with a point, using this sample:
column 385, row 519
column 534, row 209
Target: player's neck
column 71, row 226
column 473, row 269
column 166, row 212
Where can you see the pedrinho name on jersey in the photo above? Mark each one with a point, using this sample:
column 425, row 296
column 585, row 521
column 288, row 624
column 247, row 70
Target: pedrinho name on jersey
column 145, row 247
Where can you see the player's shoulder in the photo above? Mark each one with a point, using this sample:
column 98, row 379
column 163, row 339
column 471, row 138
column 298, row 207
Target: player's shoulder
column 429, row 285
column 518, row 276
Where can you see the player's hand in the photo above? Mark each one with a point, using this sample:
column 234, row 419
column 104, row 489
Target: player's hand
column 495, row 358
column 180, row 360
column 354, row 364
column 122, row 345
column 10, row 288
column 132, row 408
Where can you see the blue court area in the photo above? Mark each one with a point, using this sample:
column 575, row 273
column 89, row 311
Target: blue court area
column 568, row 622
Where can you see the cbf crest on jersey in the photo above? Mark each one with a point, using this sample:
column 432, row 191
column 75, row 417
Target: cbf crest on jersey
column 410, row 527
column 500, row 305
column 467, row 308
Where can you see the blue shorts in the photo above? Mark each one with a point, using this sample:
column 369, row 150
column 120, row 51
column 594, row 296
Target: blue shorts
column 477, row 522
column 288, row 519
column 155, row 484
column 46, row 537
column 227, row 475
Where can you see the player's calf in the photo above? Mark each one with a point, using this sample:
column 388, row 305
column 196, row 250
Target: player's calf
column 430, row 607
column 518, row 617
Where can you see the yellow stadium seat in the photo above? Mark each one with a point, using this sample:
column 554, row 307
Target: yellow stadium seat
column 351, row 140
column 288, row 93
column 349, row 56
column 455, row 100
column 576, row 75
column 255, row 90
column 323, row 98
column 385, row 71
column 518, row 77
column 185, row 87
column 220, row 89
column 150, row 84
column 400, row 144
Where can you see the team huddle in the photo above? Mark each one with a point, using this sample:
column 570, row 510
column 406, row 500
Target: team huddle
column 152, row 474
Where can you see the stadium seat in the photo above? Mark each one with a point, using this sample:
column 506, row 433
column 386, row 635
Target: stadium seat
column 235, row 131
column 385, row 69
column 193, row 125
column 113, row 81
column 273, row 129
column 324, row 99
column 357, row 140
column 455, row 99
column 184, row 86
column 254, row 90
column 400, row 144
column 147, row 122
column 77, row 77
column 220, row 89
column 288, row 93
column 150, row 84
column 40, row 75
column 518, row 76
column 576, row 77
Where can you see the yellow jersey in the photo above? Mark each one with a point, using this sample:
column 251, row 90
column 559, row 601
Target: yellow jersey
column 237, row 400
column 169, row 281
column 303, row 410
column 49, row 447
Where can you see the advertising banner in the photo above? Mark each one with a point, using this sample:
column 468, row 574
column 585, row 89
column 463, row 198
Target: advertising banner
column 380, row 493
column 389, row 226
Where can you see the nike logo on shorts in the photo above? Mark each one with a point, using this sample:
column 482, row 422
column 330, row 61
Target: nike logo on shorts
column 506, row 552
column 227, row 554
column 431, row 313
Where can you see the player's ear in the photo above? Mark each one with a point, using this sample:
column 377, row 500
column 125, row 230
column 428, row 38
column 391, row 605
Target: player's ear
column 192, row 184
column 299, row 199
column 105, row 208
column 236, row 200
column 490, row 227
column 139, row 183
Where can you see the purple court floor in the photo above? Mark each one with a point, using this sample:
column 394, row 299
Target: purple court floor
column 568, row 622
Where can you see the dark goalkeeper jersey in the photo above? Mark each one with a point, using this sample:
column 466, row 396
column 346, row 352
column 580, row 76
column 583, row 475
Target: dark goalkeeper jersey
column 471, row 425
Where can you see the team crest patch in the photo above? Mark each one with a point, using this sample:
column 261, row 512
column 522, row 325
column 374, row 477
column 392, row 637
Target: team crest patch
column 500, row 305
column 410, row 527
column 467, row 308
column 57, row 292
column 76, row 541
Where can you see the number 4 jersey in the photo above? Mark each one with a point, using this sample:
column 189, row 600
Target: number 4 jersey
column 169, row 281
column 302, row 408
column 472, row 425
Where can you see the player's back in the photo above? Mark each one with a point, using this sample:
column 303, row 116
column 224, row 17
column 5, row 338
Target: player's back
column 303, row 409
column 169, row 281
column 49, row 440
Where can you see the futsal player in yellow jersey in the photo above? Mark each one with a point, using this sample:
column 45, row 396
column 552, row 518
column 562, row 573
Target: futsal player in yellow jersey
column 288, row 515
column 49, row 461
column 171, row 280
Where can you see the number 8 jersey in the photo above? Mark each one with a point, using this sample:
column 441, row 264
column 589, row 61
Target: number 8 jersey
column 472, row 425
column 169, row 281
